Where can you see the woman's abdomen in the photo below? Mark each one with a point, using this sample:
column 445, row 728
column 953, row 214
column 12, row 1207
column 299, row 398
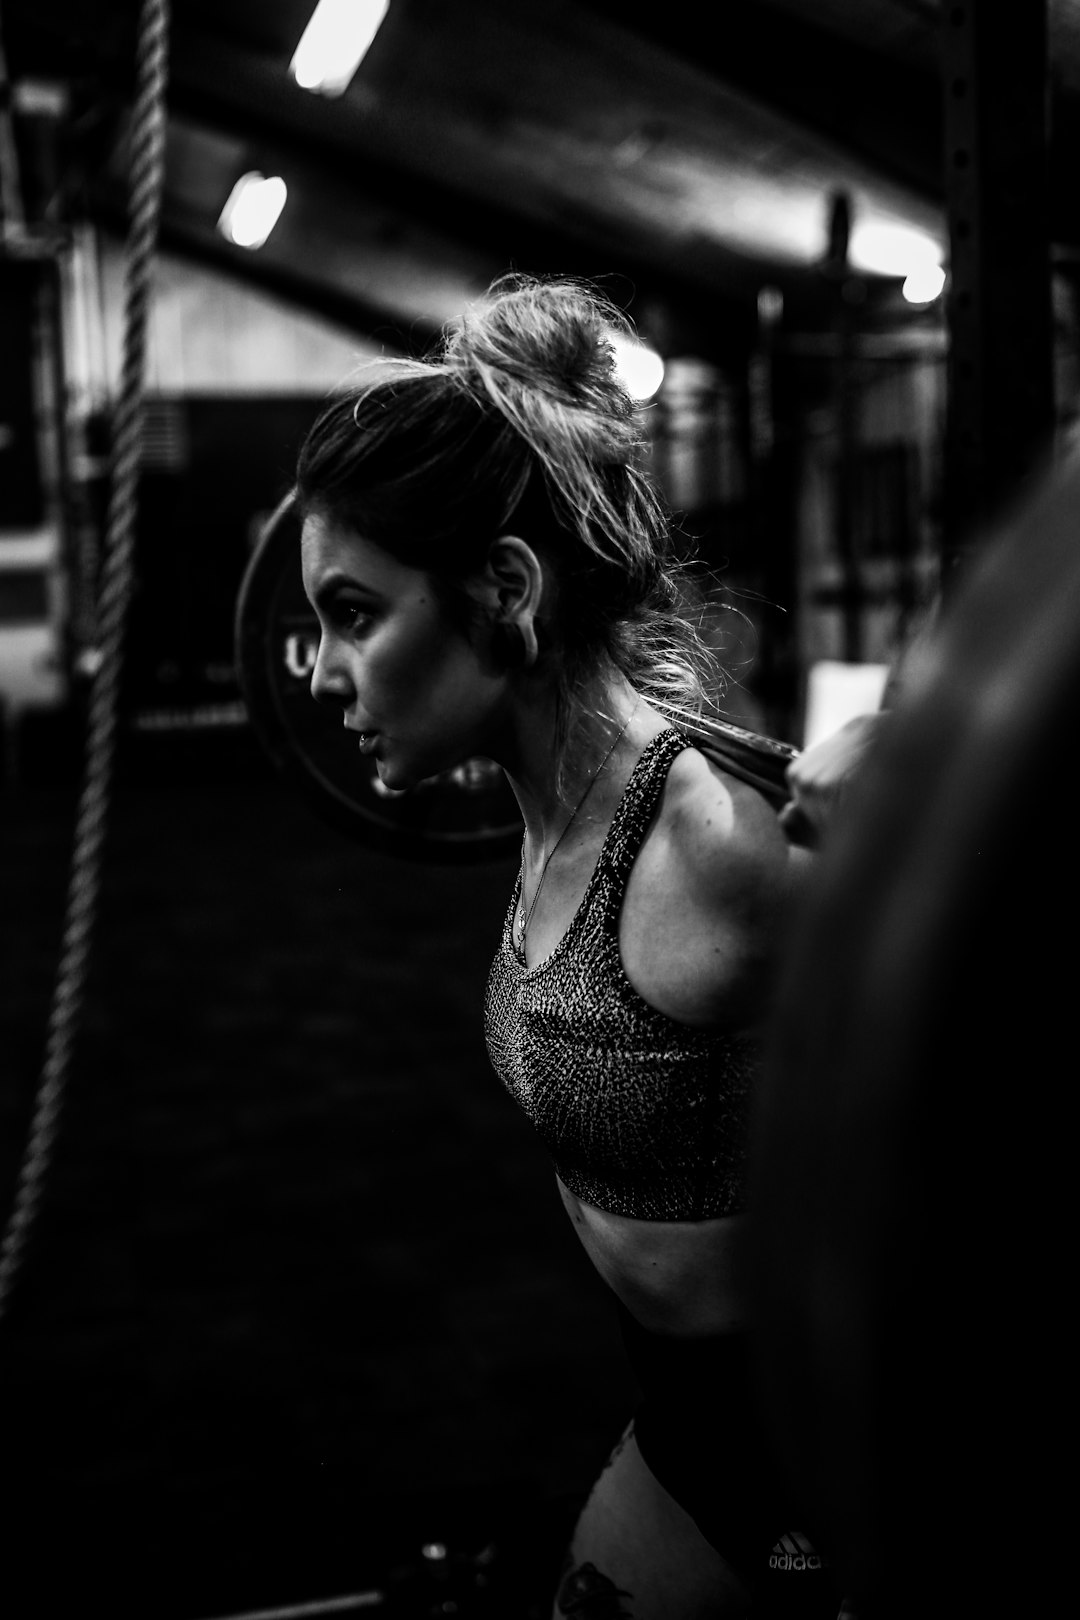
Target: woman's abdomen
column 681, row 1278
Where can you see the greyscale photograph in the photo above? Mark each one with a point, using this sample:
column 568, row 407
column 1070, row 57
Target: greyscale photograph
column 539, row 611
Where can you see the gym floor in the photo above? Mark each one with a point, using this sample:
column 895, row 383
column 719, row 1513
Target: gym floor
column 302, row 1317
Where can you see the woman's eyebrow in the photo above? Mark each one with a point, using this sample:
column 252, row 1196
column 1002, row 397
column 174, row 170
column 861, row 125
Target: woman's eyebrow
column 339, row 580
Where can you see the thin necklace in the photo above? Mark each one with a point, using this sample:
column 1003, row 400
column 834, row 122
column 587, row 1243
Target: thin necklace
column 521, row 920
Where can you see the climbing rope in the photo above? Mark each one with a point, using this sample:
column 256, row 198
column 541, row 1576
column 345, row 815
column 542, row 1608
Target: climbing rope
column 11, row 203
column 146, row 175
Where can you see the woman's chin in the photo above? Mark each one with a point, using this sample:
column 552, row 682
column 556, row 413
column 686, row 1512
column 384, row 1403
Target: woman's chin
column 396, row 777
column 389, row 779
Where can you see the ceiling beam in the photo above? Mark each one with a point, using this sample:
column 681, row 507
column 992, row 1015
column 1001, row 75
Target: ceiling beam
column 883, row 109
column 240, row 92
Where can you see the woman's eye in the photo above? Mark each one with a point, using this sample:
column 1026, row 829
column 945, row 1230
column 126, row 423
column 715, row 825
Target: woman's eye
column 350, row 615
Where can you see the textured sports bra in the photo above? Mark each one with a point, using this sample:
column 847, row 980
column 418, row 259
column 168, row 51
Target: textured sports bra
column 643, row 1116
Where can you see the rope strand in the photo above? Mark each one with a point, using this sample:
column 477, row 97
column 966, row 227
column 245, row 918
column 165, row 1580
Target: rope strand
column 145, row 186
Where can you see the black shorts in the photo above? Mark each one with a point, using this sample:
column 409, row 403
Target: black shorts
column 699, row 1432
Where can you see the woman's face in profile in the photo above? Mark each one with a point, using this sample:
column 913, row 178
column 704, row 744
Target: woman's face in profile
column 409, row 680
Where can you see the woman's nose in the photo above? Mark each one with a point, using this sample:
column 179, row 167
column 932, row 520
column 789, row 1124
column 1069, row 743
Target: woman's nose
column 329, row 683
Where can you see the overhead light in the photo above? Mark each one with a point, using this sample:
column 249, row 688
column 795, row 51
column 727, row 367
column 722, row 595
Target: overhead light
column 884, row 248
column 639, row 368
column 253, row 209
column 922, row 286
column 334, row 43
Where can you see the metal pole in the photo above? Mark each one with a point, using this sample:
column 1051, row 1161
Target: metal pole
column 1000, row 411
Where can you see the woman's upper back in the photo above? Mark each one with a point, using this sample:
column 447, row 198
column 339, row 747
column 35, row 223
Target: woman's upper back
column 705, row 904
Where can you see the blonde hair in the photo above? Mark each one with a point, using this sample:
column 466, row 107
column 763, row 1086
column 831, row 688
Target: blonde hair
column 519, row 422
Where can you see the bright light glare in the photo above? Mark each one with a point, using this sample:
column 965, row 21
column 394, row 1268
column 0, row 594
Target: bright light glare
column 924, row 285
column 891, row 250
column 640, row 369
column 253, row 209
column 334, row 43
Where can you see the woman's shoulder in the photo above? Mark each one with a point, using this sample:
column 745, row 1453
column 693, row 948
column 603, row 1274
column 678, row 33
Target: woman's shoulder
column 707, row 902
column 723, row 836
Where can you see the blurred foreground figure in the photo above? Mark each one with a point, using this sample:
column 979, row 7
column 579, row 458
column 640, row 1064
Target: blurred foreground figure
column 910, row 1178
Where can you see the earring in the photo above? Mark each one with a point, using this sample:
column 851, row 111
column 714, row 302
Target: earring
column 508, row 644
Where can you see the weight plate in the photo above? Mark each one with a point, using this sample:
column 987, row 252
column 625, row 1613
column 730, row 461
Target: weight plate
column 914, row 1175
column 465, row 815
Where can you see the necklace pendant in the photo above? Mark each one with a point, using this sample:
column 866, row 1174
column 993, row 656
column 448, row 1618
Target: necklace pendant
column 521, row 919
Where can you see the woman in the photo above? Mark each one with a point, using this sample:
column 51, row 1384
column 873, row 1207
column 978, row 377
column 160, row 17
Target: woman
column 491, row 571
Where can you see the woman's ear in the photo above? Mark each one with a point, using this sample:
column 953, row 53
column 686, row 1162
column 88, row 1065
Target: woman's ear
column 510, row 589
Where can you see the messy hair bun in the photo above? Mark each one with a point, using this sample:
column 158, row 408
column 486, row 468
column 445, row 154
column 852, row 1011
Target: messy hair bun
column 543, row 355
column 519, row 422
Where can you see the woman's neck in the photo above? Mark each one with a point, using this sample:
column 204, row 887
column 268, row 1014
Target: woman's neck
column 612, row 725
